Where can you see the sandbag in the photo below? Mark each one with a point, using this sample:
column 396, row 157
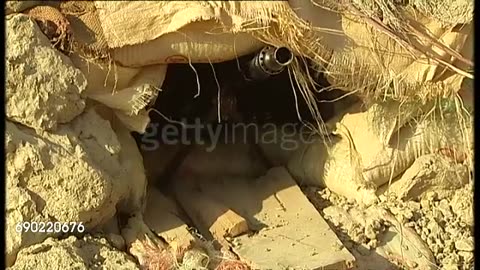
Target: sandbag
column 172, row 32
column 380, row 51
column 403, row 56
column 128, row 91
column 371, row 148
column 386, row 152
column 450, row 12
column 325, row 164
column 384, row 49
column 326, row 23
column 422, row 60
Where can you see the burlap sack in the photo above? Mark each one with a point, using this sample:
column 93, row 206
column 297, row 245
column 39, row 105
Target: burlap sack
column 384, row 159
column 406, row 56
column 373, row 147
column 126, row 90
column 326, row 23
column 239, row 28
column 172, row 32
column 403, row 56
column 380, row 51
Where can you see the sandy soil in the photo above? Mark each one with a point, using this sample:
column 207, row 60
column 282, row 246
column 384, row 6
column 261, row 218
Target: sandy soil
column 443, row 223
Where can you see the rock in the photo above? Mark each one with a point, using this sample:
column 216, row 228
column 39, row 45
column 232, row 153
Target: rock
column 444, row 207
column 425, row 204
column 430, row 172
column 445, row 237
column 80, row 173
column 422, row 222
column 413, row 206
column 372, row 229
column 437, row 214
column 43, row 87
column 451, row 267
column 448, row 247
column 431, row 241
column 407, row 214
column 451, row 261
column 73, row 253
column 436, row 248
column 434, row 228
column 410, row 224
column 20, row 5
column 424, row 235
column 431, row 196
column 370, row 233
column 452, row 228
column 465, row 244
column 467, row 256
column 462, row 204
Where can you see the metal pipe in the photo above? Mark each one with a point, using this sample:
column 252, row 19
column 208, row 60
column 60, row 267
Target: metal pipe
column 268, row 62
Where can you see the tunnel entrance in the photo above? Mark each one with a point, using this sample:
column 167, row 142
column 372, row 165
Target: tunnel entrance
column 199, row 101
column 207, row 135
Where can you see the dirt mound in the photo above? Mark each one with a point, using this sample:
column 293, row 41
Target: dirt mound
column 431, row 226
column 81, row 171
column 77, row 174
column 74, row 253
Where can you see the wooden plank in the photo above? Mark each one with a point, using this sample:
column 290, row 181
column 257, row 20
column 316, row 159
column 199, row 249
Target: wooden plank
column 210, row 216
column 291, row 233
column 162, row 217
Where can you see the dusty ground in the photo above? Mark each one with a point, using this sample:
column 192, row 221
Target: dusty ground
column 444, row 223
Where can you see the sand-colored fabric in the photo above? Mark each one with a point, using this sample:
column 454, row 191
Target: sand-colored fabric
column 128, row 91
column 378, row 49
column 385, row 49
column 377, row 66
column 172, row 31
column 372, row 147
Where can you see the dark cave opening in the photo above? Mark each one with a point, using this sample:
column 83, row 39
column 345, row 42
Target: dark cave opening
column 191, row 92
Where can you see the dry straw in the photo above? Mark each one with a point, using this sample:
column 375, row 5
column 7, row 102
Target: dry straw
column 275, row 23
